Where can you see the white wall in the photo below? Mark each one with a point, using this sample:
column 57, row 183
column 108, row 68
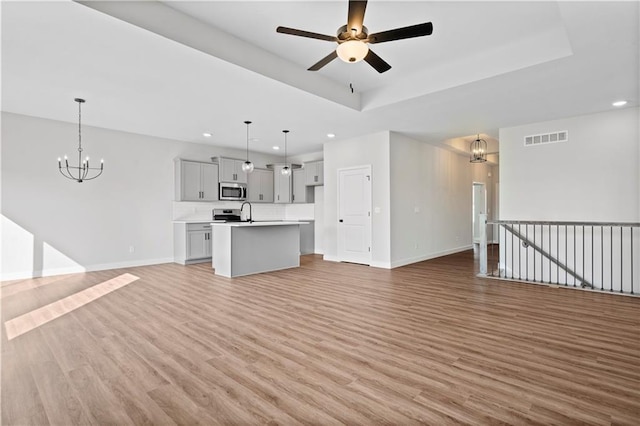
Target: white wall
column 366, row 150
column 52, row 225
column 594, row 176
column 431, row 200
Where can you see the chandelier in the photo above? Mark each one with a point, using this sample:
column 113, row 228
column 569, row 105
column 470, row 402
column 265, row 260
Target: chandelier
column 478, row 150
column 83, row 171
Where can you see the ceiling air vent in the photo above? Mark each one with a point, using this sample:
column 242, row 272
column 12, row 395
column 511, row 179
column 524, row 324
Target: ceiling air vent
column 544, row 138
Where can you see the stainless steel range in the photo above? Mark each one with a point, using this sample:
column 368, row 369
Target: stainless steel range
column 228, row 215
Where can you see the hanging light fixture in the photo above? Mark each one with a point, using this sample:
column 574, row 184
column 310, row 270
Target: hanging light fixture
column 286, row 170
column 82, row 171
column 478, row 150
column 247, row 166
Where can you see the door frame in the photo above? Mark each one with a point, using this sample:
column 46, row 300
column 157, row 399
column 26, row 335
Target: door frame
column 473, row 208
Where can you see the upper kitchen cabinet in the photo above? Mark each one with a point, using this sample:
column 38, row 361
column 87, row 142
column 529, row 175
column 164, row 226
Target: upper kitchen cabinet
column 195, row 181
column 231, row 170
column 301, row 192
column 281, row 186
column 314, row 173
column 260, row 186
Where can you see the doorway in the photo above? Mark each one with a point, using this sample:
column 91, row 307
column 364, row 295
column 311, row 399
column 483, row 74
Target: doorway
column 354, row 215
column 479, row 203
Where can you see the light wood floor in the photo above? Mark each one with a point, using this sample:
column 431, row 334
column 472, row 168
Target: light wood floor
column 323, row 344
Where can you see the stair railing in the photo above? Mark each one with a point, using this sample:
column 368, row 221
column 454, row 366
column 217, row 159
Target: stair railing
column 603, row 256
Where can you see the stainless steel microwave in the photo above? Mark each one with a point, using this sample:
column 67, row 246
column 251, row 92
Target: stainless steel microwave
column 233, row 191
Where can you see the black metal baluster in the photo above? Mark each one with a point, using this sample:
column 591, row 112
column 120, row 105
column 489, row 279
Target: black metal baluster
column 582, row 256
column 631, row 238
column 621, row 261
column 519, row 252
column 601, row 258
column 549, row 258
column 566, row 255
column 611, row 252
column 592, row 282
column 575, row 265
column 526, row 230
column 534, row 253
column 558, row 253
column 512, row 229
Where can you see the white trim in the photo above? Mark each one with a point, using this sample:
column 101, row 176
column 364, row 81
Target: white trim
column 80, row 269
column 409, row 261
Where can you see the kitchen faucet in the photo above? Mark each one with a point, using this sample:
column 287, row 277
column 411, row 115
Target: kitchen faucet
column 242, row 208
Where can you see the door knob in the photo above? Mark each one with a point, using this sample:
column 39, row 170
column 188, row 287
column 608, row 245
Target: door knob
column 341, row 221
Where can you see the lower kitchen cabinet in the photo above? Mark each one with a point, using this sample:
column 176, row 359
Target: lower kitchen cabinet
column 192, row 242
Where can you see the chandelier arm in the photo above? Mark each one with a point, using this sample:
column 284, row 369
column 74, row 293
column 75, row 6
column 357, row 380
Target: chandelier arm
column 65, row 174
column 91, row 178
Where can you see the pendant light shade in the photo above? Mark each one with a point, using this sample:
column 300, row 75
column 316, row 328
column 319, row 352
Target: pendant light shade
column 478, row 150
column 247, row 166
column 83, row 171
column 286, row 170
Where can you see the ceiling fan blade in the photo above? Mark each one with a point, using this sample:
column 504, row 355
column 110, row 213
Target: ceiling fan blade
column 324, row 61
column 377, row 62
column 401, row 33
column 355, row 17
column 301, row 33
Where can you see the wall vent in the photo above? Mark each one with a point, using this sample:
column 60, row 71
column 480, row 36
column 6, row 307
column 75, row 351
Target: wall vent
column 544, row 138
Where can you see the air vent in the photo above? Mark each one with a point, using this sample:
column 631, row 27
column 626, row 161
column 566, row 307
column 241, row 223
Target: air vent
column 544, row 138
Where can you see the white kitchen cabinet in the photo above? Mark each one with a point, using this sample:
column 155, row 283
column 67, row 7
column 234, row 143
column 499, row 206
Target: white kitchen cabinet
column 260, row 186
column 195, row 181
column 231, row 170
column 192, row 242
column 301, row 192
column 314, row 173
column 281, row 186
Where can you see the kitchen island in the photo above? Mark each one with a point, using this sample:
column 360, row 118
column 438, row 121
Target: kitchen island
column 244, row 248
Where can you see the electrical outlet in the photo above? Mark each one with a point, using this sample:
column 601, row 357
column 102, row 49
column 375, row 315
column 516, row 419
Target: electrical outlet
column 132, row 249
column 416, row 246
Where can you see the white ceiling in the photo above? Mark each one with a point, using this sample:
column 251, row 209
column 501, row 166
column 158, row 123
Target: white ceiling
column 189, row 67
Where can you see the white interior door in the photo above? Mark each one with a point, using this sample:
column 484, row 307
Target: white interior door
column 479, row 207
column 354, row 215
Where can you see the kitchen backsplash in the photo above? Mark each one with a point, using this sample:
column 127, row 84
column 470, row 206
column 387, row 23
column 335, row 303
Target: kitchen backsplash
column 184, row 210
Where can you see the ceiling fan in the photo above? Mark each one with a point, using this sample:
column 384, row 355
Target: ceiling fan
column 353, row 38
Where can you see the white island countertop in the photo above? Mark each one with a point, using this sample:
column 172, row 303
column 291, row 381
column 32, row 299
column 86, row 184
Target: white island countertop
column 260, row 223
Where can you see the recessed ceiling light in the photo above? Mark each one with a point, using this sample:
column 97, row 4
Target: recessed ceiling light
column 254, row 140
column 619, row 103
column 206, row 134
column 276, row 148
column 331, row 135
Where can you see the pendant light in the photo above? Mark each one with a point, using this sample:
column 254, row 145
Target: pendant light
column 247, row 166
column 286, row 170
column 83, row 171
column 478, row 150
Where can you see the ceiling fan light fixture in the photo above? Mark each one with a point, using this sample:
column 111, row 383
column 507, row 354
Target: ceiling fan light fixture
column 352, row 51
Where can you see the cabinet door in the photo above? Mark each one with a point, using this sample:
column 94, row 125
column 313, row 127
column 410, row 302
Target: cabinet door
column 267, row 186
column 197, row 244
column 281, row 186
column 314, row 173
column 320, row 173
column 254, row 186
column 227, row 170
column 209, row 184
column 190, row 181
column 241, row 176
column 299, row 187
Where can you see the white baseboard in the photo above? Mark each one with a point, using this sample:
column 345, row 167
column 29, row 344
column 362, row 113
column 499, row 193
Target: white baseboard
column 80, row 269
column 403, row 262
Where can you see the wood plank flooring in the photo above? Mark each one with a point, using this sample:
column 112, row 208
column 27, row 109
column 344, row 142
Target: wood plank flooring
column 324, row 344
